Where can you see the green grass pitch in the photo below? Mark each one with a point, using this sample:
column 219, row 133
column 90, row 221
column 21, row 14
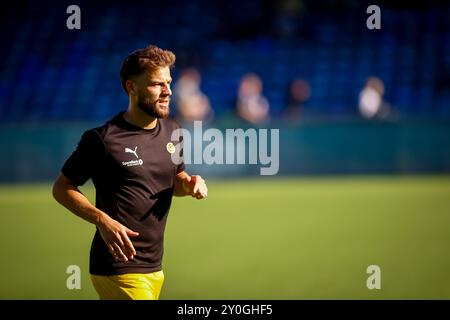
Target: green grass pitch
column 293, row 238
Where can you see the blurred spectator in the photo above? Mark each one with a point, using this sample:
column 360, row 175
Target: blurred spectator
column 371, row 101
column 299, row 92
column 192, row 104
column 252, row 106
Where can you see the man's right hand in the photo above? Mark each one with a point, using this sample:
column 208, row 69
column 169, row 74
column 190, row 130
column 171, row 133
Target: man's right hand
column 116, row 237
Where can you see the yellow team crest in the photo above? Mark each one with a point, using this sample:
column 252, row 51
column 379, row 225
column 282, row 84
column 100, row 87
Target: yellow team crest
column 170, row 147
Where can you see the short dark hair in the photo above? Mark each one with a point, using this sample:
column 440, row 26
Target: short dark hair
column 145, row 59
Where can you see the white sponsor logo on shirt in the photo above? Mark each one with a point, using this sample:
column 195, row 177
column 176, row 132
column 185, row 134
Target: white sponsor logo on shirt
column 138, row 162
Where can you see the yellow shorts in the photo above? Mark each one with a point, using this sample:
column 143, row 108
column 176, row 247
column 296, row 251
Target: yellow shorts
column 130, row 286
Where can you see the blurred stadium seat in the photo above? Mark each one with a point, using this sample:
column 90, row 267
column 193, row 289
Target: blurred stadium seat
column 48, row 73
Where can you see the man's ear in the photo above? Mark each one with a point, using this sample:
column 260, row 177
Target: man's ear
column 131, row 87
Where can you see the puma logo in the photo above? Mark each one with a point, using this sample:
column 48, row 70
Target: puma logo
column 132, row 151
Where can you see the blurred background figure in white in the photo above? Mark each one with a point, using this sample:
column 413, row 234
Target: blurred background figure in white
column 192, row 104
column 371, row 100
column 252, row 106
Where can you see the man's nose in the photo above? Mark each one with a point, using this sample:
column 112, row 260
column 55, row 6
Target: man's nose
column 167, row 90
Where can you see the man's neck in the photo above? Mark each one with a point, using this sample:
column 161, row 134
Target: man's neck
column 139, row 118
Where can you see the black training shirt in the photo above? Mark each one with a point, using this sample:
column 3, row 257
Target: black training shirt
column 133, row 174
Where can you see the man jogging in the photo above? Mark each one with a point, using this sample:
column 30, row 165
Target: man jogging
column 129, row 162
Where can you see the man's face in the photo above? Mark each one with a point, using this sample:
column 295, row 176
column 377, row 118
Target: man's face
column 153, row 92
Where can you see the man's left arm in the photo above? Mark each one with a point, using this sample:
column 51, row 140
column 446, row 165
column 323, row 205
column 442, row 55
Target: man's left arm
column 186, row 185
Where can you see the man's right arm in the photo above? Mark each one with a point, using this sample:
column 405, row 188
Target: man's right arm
column 115, row 235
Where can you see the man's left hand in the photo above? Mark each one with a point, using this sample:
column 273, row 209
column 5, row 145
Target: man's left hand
column 196, row 186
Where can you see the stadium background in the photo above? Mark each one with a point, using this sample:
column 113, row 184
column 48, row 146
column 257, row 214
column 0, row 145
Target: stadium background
column 351, row 191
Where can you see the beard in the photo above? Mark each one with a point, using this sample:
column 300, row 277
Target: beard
column 151, row 108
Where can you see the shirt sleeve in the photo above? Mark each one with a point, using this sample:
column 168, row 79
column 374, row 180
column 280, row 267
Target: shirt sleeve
column 86, row 158
column 181, row 167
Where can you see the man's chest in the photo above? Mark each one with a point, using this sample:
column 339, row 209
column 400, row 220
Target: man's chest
column 140, row 157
